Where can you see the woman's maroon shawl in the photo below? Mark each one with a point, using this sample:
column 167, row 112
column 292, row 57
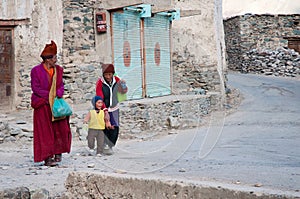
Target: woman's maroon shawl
column 49, row 137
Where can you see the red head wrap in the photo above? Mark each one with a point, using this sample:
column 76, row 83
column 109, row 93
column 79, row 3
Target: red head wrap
column 49, row 50
column 108, row 68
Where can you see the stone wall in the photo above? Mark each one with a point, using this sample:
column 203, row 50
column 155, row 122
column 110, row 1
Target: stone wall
column 192, row 76
column 259, row 33
column 234, row 44
column 198, row 47
column 164, row 113
column 79, row 55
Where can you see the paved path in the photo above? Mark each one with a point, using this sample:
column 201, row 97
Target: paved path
column 257, row 147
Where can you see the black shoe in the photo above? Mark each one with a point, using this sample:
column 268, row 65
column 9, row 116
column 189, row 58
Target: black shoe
column 50, row 162
column 57, row 158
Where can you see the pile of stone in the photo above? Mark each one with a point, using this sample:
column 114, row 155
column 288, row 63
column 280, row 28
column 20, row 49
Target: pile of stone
column 12, row 130
column 26, row 193
column 281, row 62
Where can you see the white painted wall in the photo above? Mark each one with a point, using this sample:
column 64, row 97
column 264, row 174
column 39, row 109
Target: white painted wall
column 201, row 35
column 45, row 24
column 195, row 33
column 16, row 9
column 240, row 7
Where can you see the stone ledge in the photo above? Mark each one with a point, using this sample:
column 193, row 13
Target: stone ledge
column 160, row 114
column 164, row 113
column 104, row 185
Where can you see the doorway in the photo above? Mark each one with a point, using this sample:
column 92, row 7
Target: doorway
column 6, row 69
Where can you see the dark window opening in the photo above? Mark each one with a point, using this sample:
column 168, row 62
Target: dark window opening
column 293, row 43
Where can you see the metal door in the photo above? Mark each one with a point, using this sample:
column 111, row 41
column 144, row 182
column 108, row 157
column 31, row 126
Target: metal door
column 127, row 50
column 157, row 51
column 6, row 68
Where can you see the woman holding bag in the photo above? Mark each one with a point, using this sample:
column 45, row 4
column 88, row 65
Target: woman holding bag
column 107, row 87
column 51, row 136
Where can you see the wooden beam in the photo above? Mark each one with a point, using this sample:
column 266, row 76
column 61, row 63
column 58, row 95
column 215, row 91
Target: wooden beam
column 13, row 22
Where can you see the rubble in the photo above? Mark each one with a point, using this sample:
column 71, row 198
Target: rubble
column 280, row 62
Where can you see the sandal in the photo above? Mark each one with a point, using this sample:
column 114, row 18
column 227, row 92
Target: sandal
column 50, row 162
column 57, row 158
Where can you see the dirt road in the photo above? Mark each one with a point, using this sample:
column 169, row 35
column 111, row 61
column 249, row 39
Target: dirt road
column 256, row 146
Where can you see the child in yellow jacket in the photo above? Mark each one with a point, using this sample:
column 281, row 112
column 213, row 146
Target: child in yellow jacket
column 96, row 125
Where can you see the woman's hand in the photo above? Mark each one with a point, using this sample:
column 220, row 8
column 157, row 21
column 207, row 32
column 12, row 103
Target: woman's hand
column 122, row 86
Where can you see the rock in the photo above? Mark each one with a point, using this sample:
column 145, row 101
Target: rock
column 4, row 167
column 9, row 139
column 120, row 171
column 173, row 122
column 2, row 126
column 20, row 122
column 19, row 192
column 258, row 185
column 91, row 165
column 40, row 194
column 182, row 170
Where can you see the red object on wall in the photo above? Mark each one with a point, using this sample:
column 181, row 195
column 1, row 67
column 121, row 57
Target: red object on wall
column 126, row 53
column 101, row 22
column 157, row 54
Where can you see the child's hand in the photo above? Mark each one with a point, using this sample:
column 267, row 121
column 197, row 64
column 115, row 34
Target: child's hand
column 108, row 125
column 86, row 119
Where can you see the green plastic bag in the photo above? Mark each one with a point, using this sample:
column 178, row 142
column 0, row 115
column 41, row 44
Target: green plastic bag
column 121, row 97
column 61, row 108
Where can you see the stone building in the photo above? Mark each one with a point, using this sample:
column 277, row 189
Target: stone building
column 185, row 38
column 268, row 44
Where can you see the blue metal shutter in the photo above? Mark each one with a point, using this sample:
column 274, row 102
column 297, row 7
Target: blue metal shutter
column 157, row 47
column 127, row 50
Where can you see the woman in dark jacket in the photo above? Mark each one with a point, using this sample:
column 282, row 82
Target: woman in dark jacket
column 107, row 87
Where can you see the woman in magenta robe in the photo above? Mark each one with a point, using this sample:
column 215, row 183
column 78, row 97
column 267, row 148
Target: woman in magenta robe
column 51, row 137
